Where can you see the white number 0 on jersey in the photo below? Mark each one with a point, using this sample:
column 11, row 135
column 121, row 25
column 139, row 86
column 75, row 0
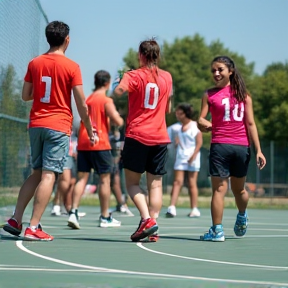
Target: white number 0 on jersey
column 48, row 83
column 236, row 115
column 151, row 90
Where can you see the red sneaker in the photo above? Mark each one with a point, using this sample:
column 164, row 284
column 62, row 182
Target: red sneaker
column 145, row 228
column 13, row 227
column 153, row 238
column 37, row 235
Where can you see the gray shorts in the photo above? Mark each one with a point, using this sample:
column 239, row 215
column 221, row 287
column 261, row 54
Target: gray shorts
column 70, row 164
column 49, row 149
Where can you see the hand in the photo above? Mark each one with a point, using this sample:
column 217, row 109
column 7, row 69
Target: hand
column 261, row 160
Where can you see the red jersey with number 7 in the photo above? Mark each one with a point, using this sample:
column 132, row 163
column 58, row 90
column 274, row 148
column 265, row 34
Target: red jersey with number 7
column 53, row 76
column 148, row 95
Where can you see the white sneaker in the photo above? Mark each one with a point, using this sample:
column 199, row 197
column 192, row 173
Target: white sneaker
column 56, row 210
column 194, row 213
column 171, row 211
column 125, row 210
column 110, row 222
column 73, row 221
column 81, row 214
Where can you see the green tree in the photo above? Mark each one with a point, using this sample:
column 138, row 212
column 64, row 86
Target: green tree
column 13, row 140
column 271, row 97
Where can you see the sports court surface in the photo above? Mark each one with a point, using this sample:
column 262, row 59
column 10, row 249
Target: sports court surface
column 102, row 258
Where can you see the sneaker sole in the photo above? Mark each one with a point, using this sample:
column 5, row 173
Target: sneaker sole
column 169, row 215
column 11, row 230
column 109, row 225
column 32, row 238
column 73, row 225
column 145, row 233
column 221, row 239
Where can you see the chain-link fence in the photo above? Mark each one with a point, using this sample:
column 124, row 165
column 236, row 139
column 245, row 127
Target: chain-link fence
column 22, row 34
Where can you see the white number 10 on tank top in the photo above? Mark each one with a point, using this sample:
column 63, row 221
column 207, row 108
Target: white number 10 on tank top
column 151, row 94
column 236, row 115
column 48, row 83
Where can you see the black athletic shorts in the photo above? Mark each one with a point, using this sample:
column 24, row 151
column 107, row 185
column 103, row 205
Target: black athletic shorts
column 227, row 160
column 139, row 157
column 100, row 161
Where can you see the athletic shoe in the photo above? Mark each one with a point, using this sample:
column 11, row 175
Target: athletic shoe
column 214, row 234
column 81, row 214
column 73, row 220
column 56, row 210
column 123, row 209
column 38, row 234
column 13, row 227
column 241, row 224
column 171, row 211
column 154, row 237
column 195, row 213
column 108, row 222
column 146, row 228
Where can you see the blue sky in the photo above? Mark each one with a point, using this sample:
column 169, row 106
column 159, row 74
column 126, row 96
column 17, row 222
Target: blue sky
column 102, row 31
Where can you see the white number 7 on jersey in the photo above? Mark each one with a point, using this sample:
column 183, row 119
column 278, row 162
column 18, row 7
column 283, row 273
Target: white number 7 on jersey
column 48, row 83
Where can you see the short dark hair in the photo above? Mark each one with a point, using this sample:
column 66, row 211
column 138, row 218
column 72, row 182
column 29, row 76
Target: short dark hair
column 101, row 78
column 56, row 32
column 187, row 109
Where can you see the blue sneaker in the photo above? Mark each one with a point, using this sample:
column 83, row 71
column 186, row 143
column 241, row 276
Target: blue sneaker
column 241, row 224
column 214, row 234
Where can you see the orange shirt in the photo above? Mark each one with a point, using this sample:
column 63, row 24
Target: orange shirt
column 147, row 102
column 53, row 76
column 96, row 107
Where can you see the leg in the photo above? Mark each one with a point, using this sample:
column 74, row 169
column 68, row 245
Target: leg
column 219, row 186
column 134, row 191
column 240, row 194
column 177, row 184
column 79, row 189
column 67, row 197
column 104, row 194
column 241, row 198
column 154, row 183
column 116, row 188
column 42, row 196
column 193, row 193
column 26, row 193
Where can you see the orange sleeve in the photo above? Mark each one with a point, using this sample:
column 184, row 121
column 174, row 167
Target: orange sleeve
column 77, row 77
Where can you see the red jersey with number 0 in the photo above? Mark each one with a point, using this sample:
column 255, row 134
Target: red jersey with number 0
column 53, row 76
column 228, row 117
column 147, row 99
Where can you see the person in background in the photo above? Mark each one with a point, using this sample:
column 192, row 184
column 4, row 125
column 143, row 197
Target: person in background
column 233, row 127
column 116, row 143
column 145, row 148
column 66, row 181
column 48, row 82
column 189, row 141
column 98, row 156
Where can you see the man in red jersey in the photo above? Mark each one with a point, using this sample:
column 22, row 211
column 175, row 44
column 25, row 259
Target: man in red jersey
column 97, row 157
column 149, row 89
column 48, row 82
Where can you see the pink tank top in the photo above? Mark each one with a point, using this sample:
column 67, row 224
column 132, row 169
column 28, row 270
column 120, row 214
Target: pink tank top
column 228, row 117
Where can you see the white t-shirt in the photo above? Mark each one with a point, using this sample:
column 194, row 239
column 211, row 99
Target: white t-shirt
column 186, row 147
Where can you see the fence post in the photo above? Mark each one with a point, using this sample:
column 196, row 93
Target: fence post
column 271, row 194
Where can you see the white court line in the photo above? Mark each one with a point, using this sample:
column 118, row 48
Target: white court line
column 213, row 261
column 19, row 244
column 44, row 269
